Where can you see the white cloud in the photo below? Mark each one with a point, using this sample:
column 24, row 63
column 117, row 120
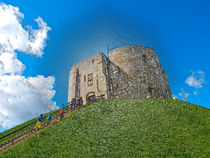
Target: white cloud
column 184, row 95
column 37, row 40
column 21, row 98
column 14, row 35
column 196, row 80
column 10, row 64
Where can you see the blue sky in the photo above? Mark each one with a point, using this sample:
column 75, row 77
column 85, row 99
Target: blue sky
column 177, row 30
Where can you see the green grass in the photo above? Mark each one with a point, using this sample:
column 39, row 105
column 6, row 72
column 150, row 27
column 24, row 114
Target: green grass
column 20, row 126
column 124, row 128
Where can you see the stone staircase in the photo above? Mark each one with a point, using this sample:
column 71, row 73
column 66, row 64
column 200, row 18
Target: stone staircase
column 21, row 137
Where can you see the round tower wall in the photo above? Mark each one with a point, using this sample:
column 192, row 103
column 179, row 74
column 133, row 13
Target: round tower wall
column 142, row 64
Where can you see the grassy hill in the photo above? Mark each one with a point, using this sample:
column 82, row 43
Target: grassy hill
column 124, row 128
column 22, row 125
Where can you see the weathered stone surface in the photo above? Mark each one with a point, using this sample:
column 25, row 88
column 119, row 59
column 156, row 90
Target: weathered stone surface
column 79, row 78
column 142, row 64
column 130, row 72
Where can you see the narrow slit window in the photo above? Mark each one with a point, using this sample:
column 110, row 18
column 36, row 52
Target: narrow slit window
column 144, row 58
column 90, row 79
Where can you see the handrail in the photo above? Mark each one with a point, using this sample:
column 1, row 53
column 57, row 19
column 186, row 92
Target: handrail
column 30, row 123
column 64, row 106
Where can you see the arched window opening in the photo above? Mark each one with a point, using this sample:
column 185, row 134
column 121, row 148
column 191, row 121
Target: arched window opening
column 90, row 79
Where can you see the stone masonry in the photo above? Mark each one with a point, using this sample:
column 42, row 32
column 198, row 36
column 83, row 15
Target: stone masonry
column 129, row 72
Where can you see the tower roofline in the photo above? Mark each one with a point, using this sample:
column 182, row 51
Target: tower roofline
column 85, row 60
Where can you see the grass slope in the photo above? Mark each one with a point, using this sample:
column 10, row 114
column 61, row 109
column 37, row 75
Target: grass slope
column 124, row 128
column 22, row 125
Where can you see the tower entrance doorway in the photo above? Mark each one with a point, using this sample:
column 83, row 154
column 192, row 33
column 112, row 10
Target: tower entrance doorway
column 90, row 97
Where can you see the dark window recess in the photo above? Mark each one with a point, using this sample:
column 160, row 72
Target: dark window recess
column 144, row 58
column 90, row 79
column 92, row 60
column 84, row 78
column 151, row 91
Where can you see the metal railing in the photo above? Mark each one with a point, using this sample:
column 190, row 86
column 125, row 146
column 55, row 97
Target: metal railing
column 74, row 104
column 65, row 106
column 68, row 108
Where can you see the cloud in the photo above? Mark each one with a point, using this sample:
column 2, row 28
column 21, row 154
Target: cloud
column 21, row 98
column 14, row 36
column 37, row 40
column 196, row 80
column 10, row 64
column 184, row 95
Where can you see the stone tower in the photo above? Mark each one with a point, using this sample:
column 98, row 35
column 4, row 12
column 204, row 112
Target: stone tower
column 129, row 72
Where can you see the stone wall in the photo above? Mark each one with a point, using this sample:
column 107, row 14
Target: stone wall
column 122, row 85
column 142, row 65
column 78, row 80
